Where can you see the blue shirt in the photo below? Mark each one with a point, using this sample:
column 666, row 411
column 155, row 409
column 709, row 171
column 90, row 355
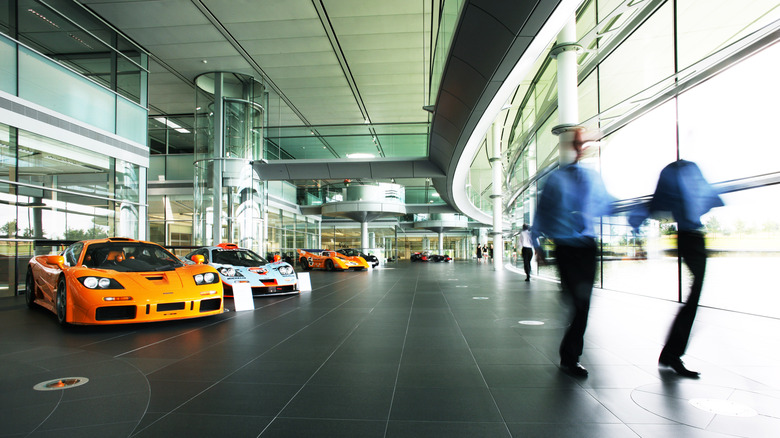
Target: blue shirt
column 571, row 202
column 683, row 191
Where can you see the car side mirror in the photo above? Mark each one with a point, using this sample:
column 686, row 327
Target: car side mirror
column 198, row 259
column 56, row 260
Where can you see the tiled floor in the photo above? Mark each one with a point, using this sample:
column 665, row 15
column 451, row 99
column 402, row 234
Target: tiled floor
column 414, row 350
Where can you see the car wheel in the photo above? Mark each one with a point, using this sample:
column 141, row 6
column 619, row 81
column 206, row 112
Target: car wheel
column 305, row 264
column 29, row 289
column 62, row 302
column 329, row 265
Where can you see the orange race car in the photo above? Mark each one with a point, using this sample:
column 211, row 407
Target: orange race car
column 329, row 260
column 119, row 280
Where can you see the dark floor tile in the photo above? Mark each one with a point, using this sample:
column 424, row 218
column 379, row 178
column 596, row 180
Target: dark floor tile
column 167, row 395
column 340, row 402
column 502, row 356
column 366, row 354
column 580, row 430
column 528, row 376
column 418, row 429
column 423, row 356
column 356, row 374
column 203, row 425
column 440, row 376
column 113, row 430
column 550, row 406
column 265, row 371
column 231, row 398
column 105, row 410
column 444, row 404
column 305, row 427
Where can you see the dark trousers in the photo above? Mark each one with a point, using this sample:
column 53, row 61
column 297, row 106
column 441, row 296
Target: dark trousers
column 690, row 245
column 577, row 268
column 528, row 254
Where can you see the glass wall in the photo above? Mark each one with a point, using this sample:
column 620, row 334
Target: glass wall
column 69, row 61
column 57, row 191
column 674, row 104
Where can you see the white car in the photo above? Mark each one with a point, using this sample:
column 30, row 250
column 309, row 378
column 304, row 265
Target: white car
column 240, row 265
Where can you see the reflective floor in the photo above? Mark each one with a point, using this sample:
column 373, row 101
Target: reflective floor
column 413, row 350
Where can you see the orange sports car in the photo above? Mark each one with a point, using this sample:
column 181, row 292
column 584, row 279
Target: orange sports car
column 119, row 280
column 329, row 260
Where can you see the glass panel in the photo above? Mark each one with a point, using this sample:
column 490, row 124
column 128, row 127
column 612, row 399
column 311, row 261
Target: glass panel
column 49, row 163
column 179, row 168
column 7, row 65
column 632, row 157
column 588, row 97
column 131, row 121
column 724, row 119
column 743, row 237
column 607, row 6
column 586, row 19
column 645, row 58
column 546, row 143
column 128, row 77
column 156, row 170
column 706, row 26
column 547, row 88
column 127, row 184
column 48, row 84
column 53, row 215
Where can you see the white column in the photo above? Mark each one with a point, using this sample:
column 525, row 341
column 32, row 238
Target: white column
column 565, row 52
column 498, row 206
column 364, row 235
column 441, row 243
column 218, row 146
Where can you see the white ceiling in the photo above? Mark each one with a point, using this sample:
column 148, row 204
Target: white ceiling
column 330, row 61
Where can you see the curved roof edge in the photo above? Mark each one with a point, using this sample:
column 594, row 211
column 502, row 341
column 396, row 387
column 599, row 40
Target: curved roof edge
column 493, row 49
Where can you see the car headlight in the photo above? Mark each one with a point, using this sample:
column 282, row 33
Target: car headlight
column 206, row 278
column 100, row 283
column 227, row 272
column 286, row 270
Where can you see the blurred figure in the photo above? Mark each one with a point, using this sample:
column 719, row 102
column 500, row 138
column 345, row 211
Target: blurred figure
column 683, row 191
column 479, row 254
column 527, row 250
column 569, row 206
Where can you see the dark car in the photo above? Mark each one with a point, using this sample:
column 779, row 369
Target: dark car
column 420, row 257
column 370, row 258
column 440, row 258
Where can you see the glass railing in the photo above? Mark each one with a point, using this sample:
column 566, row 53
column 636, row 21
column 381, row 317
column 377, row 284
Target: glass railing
column 55, row 87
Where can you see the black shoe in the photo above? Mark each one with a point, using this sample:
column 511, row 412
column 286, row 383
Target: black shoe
column 527, row 278
column 678, row 366
column 574, row 368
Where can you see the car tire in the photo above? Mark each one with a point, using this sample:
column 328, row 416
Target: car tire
column 29, row 289
column 61, row 305
column 305, row 264
column 329, row 265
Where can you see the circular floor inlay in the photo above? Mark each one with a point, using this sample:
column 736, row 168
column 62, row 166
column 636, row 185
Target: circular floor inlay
column 481, row 298
column 63, row 383
column 531, row 322
column 723, row 407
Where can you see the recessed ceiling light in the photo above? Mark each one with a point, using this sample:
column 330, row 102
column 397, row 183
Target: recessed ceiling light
column 360, row 155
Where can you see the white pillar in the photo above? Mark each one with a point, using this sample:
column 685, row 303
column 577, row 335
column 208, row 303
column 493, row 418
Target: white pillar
column 565, row 52
column 441, row 243
column 498, row 206
column 364, row 235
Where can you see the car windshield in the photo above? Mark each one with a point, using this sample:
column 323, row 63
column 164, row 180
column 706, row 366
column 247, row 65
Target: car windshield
column 130, row 257
column 349, row 252
column 238, row 257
